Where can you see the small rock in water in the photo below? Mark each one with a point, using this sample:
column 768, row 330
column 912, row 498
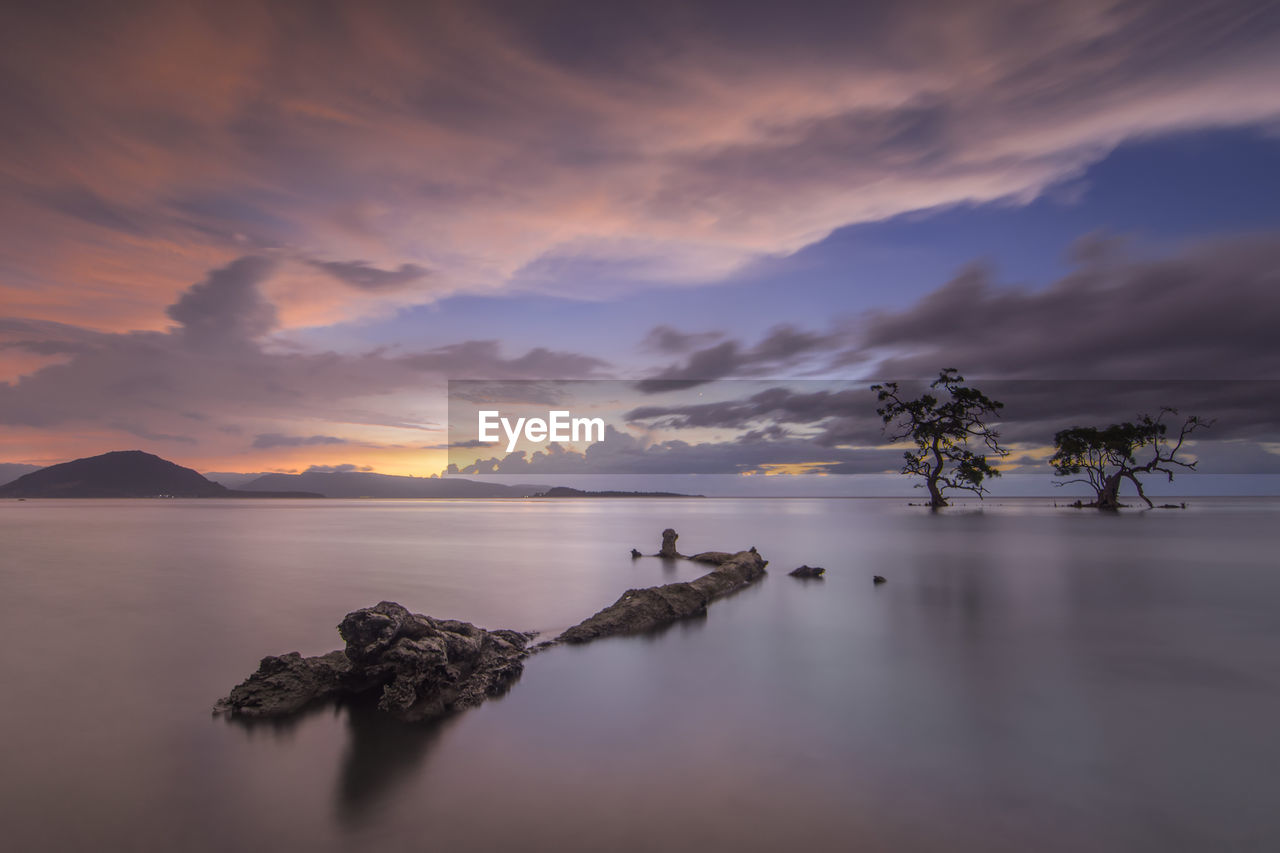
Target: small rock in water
column 669, row 538
column 807, row 572
column 878, row 579
column 635, row 553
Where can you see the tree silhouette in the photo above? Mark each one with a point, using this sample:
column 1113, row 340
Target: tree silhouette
column 941, row 430
column 1108, row 456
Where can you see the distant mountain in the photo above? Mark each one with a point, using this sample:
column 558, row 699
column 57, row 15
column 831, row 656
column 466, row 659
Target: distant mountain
column 231, row 480
column 360, row 484
column 566, row 492
column 123, row 474
column 10, row 471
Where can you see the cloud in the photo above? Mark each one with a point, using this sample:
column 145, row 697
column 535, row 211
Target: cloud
column 365, row 276
column 227, row 307
column 44, row 347
column 149, row 435
column 843, row 415
column 264, row 441
column 783, row 348
column 751, row 453
column 561, row 149
column 481, row 359
column 667, row 339
column 217, row 376
column 1117, row 336
column 1204, row 314
column 344, row 468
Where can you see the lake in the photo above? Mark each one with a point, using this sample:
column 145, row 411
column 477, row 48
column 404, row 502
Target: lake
column 1030, row 678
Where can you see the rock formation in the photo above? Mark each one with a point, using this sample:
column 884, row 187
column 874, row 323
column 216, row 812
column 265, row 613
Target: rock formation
column 807, row 572
column 877, row 580
column 669, row 551
column 715, row 558
column 425, row 667
column 640, row 610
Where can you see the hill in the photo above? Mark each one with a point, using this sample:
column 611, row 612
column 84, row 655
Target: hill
column 10, row 471
column 123, row 474
column 359, row 484
column 566, row 492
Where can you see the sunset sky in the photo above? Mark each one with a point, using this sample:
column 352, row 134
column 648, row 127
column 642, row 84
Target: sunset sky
column 262, row 236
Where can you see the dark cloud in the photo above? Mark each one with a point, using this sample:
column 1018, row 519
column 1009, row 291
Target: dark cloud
column 1206, row 314
column 508, row 392
column 267, row 440
column 783, row 348
column 1116, row 338
column 483, row 359
column 83, row 204
column 669, row 340
column 227, row 308
column 365, row 276
column 847, row 407
column 1245, row 414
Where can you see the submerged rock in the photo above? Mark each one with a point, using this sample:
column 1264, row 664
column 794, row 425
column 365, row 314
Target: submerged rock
column 807, row 572
column 640, row 610
column 424, row 667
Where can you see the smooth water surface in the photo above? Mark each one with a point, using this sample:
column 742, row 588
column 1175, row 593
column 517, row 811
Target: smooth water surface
column 1030, row 678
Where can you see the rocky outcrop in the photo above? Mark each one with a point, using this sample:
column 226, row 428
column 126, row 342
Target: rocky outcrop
column 286, row 684
column 808, row 572
column 641, row 610
column 669, row 551
column 424, row 667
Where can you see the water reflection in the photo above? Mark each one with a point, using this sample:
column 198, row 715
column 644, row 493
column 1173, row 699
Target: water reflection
column 283, row 730
column 381, row 754
column 1027, row 679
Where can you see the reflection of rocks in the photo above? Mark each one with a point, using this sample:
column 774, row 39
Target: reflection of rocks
column 809, row 572
column 426, row 667
column 640, row 610
column 381, row 754
column 669, row 551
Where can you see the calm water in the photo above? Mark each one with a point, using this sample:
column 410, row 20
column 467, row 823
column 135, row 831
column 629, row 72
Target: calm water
column 1029, row 678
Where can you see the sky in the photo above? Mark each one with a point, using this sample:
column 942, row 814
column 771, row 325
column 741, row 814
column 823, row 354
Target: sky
column 253, row 236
